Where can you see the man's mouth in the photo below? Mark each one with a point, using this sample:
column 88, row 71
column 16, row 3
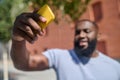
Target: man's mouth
column 83, row 42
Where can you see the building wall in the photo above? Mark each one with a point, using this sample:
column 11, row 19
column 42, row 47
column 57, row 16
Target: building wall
column 61, row 35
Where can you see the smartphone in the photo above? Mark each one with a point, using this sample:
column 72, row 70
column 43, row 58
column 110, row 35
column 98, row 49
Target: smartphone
column 47, row 13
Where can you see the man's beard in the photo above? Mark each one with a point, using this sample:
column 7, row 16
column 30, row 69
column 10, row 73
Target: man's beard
column 80, row 51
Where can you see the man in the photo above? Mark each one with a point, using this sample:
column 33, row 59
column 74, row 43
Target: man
column 83, row 62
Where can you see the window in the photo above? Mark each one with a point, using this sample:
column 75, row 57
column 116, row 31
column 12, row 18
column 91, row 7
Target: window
column 97, row 11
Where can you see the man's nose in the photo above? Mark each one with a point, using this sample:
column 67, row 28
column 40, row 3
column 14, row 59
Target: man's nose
column 82, row 34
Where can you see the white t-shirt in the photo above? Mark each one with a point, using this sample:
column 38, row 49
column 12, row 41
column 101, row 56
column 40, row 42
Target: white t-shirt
column 69, row 67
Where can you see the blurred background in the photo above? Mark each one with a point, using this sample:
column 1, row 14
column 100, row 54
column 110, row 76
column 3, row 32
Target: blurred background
column 60, row 33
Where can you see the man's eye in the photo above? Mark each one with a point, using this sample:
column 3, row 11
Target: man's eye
column 77, row 32
column 87, row 31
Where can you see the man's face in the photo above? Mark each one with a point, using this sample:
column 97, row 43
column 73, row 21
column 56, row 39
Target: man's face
column 85, row 36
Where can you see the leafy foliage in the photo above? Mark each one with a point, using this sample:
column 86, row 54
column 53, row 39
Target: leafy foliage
column 8, row 11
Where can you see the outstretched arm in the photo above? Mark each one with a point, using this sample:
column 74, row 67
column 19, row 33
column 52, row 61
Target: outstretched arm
column 26, row 29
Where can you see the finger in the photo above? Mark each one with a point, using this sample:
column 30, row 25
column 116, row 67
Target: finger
column 43, row 32
column 32, row 24
column 19, row 33
column 42, row 19
column 27, row 30
column 36, row 28
column 26, row 37
column 38, row 18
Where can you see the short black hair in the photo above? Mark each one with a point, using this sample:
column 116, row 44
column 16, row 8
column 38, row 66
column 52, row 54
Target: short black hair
column 84, row 20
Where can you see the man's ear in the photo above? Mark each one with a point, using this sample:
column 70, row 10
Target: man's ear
column 99, row 36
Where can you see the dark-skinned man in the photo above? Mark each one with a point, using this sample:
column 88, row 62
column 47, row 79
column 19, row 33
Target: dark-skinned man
column 83, row 62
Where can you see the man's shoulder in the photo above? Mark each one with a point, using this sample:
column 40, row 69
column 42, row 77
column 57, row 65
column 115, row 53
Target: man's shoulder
column 58, row 54
column 57, row 51
column 108, row 59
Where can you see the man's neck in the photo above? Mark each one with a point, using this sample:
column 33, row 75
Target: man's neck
column 94, row 54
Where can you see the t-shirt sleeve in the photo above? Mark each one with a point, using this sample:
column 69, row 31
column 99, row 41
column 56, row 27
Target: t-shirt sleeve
column 50, row 54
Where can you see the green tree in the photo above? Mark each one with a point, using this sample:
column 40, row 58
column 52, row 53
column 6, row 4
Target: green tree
column 9, row 9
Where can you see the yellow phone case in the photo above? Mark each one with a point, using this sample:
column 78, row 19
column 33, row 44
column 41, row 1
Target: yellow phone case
column 47, row 13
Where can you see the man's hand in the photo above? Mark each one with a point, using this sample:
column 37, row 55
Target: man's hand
column 26, row 27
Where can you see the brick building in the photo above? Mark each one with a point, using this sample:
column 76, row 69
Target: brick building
column 107, row 15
